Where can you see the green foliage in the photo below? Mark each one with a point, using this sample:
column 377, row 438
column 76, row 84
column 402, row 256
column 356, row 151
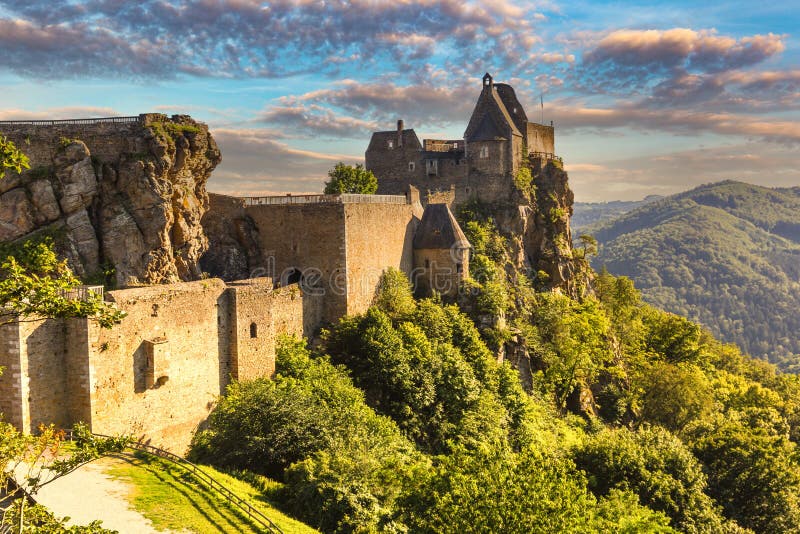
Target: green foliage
column 11, row 158
column 39, row 519
column 753, row 468
column 524, row 183
column 394, row 294
column 428, row 371
column 350, row 179
column 492, row 489
column 33, row 461
column 657, row 467
column 726, row 255
column 265, row 425
column 169, row 130
column 34, row 283
column 572, row 341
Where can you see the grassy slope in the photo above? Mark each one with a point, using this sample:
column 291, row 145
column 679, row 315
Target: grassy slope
column 172, row 499
column 726, row 255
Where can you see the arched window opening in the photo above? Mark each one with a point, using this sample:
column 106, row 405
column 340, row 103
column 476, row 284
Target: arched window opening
column 253, row 330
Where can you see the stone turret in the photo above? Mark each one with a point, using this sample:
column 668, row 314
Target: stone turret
column 441, row 252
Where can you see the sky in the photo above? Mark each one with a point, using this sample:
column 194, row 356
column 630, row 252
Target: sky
column 646, row 98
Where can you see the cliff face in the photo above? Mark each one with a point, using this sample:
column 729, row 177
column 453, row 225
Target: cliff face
column 127, row 196
column 233, row 252
column 536, row 222
column 547, row 237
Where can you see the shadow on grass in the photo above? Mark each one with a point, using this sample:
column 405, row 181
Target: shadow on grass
column 199, row 497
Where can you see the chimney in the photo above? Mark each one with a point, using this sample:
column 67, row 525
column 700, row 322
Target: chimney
column 400, row 133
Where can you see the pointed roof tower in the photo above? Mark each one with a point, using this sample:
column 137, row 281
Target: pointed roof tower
column 490, row 118
column 439, row 230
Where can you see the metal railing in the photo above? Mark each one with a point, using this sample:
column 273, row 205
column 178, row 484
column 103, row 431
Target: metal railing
column 252, row 513
column 344, row 198
column 545, row 156
column 73, row 121
column 82, row 292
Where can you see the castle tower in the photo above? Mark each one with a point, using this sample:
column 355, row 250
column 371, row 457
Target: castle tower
column 441, row 252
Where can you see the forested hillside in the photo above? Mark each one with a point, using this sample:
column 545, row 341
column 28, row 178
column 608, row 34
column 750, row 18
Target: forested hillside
column 726, row 255
column 632, row 419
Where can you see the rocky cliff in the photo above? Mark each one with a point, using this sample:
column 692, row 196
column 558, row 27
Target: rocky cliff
column 122, row 196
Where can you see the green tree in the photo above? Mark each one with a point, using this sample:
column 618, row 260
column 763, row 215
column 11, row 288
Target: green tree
column 492, row 489
column 752, row 468
column 11, row 157
column 30, row 462
column 657, row 467
column 350, row 179
column 35, row 284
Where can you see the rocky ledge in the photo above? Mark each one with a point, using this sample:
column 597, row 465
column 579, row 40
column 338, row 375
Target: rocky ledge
column 125, row 199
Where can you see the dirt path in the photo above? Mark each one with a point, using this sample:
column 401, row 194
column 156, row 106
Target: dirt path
column 88, row 494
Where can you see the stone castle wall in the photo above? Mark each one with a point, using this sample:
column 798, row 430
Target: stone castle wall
column 379, row 236
column 258, row 315
column 155, row 376
column 340, row 248
column 185, row 328
column 541, row 138
column 308, row 239
column 106, row 139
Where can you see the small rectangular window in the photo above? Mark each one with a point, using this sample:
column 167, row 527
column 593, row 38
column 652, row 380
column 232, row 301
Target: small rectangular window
column 390, row 144
column 411, row 166
column 484, row 152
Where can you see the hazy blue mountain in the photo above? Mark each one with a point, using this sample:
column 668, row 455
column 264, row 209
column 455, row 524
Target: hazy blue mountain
column 589, row 213
column 725, row 254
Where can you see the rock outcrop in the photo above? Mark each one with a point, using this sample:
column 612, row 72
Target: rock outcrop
column 233, row 252
column 122, row 196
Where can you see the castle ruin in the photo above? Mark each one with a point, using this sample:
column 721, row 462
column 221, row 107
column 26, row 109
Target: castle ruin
column 209, row 281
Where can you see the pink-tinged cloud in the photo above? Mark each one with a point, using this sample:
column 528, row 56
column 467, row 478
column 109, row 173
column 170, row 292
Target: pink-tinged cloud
column 248, row 38
column 569, row 117
column 259, row 162
column 682, row 47
column 382, row 103
column 67, row 112
column 314, row 121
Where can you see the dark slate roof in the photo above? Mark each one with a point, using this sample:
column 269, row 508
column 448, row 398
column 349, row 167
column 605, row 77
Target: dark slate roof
column 380, row 139
column 439, row 229
column 512, row 104
column 491, row 103
column 487, row 130
column 506, row 115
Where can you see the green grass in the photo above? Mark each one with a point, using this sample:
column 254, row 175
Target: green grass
column 173, row 499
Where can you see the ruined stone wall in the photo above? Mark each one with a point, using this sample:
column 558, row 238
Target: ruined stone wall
column 541, row 138
column 106, row 140
column 310, row 238
column 11, row 405
column 259, row 315
column 184, row 327
column 378, row 236
column 42, row 349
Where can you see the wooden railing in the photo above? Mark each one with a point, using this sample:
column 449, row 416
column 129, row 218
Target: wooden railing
column 265, row 523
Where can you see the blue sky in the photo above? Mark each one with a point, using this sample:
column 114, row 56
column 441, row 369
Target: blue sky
column 647, row 98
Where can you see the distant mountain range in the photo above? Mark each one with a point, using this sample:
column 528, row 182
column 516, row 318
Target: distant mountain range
column 725, row 254
column 588, row 213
